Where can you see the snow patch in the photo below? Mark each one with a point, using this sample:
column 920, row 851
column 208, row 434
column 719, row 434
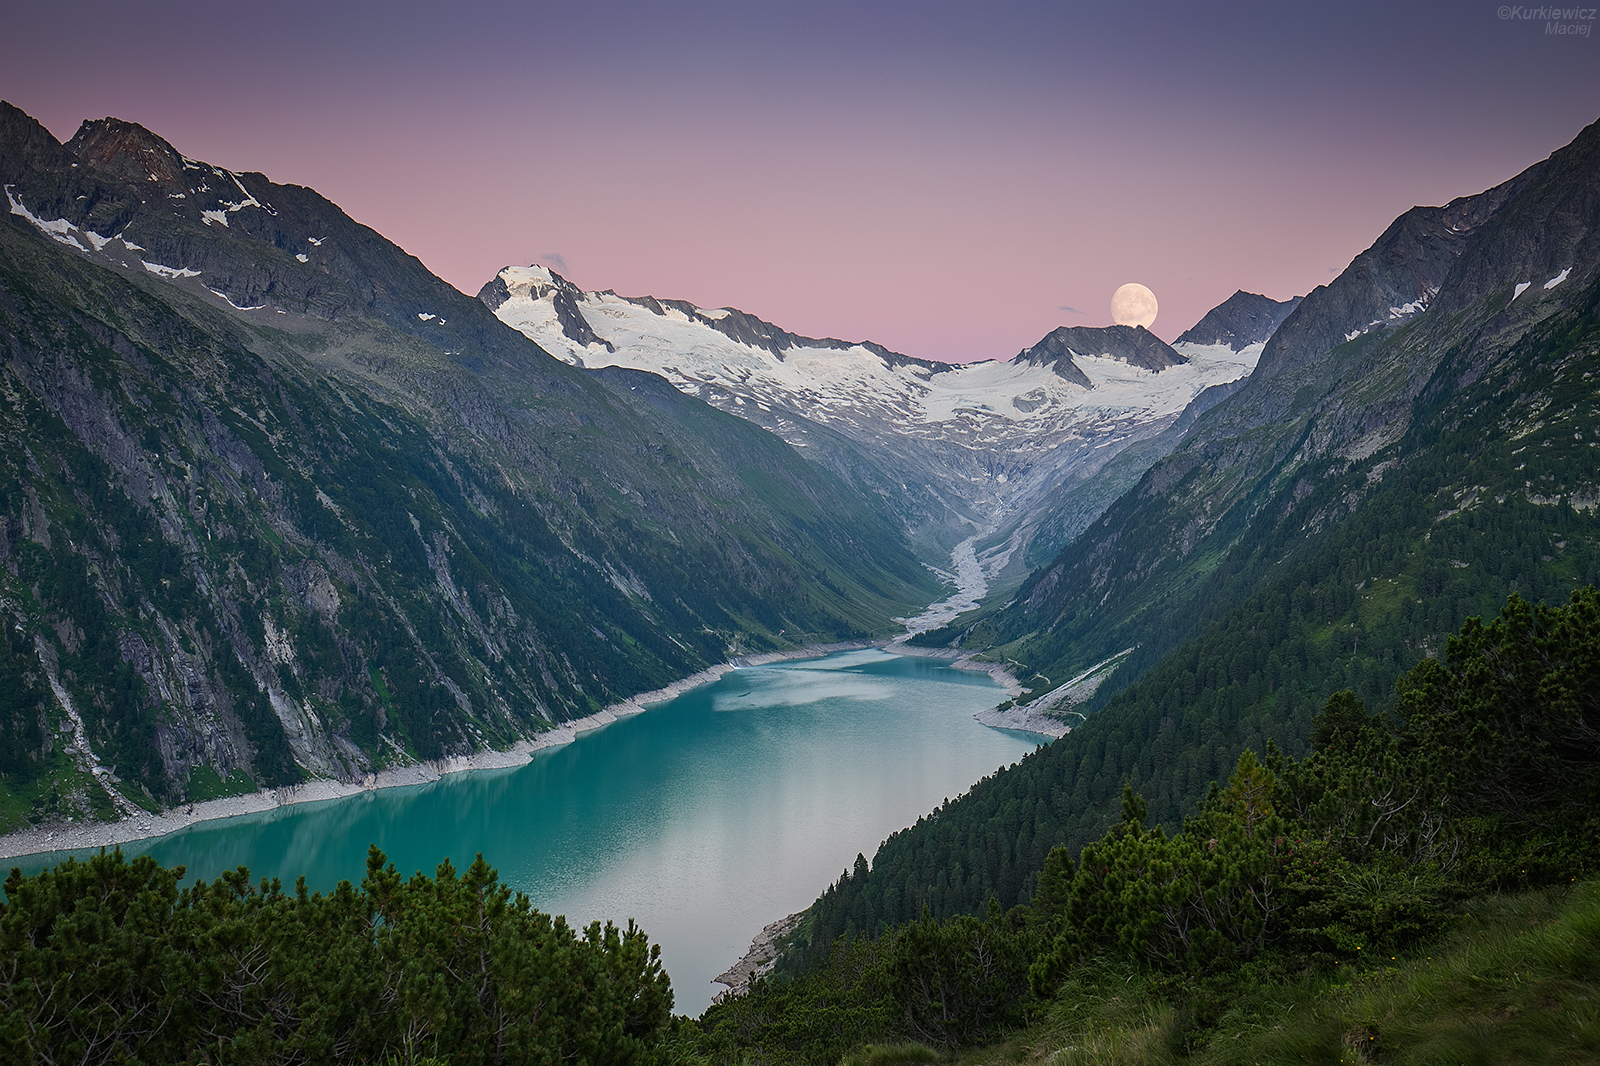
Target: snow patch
column 236, row 307
column 215, row 216
column 171, row 272
column 248, row 201
column 302, row 257
column 1558, row 279
column 1522, row 287
column 58, row 229
column 426, row 316
column 317, row 241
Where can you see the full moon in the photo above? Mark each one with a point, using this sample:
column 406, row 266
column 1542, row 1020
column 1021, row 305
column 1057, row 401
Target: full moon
column 1133, row 305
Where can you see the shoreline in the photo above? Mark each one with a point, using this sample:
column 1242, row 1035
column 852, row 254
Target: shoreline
column 1025, row 719
column 759, row 960
column 75, row 836
column 78, row 836
column 762, row 955
column 959, row 659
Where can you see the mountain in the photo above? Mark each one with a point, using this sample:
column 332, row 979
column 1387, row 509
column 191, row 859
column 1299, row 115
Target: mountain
column 986, row 446
column 1334, row 387
column 278, row 503
column 1133, row 345
column 1326, row 527
column 1243, row 319
column 1389, row 283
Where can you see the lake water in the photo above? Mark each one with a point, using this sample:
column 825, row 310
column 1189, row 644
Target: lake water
column 704, row 818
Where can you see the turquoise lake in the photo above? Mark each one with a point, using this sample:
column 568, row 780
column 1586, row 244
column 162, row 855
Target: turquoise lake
column 704, row 818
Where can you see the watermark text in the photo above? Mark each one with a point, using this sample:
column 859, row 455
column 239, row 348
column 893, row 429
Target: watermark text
column 1558, row 21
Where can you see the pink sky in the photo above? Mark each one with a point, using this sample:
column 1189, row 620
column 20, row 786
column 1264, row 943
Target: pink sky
column 950, row 180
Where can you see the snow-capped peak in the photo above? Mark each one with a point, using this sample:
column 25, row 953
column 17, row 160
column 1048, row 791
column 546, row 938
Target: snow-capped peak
column 1006, row 430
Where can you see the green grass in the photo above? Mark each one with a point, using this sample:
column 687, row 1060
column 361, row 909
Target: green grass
column 889, row 1055
column 205, row 784
column 1518, row 981
column 13, row 810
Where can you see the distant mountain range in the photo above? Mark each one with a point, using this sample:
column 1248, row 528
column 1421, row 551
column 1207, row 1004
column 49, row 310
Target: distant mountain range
column 986, row 446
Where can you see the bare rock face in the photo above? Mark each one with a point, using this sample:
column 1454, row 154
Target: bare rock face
column 1391, row 282
column 1134, row 345
column 1243, row 319
column 132, row 154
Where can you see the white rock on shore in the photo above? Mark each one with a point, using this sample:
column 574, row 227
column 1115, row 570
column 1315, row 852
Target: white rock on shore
column 756, row 962
column 1047, row 715
column 1024, row 718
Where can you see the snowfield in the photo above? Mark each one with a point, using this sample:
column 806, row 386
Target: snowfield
column 1016, row 426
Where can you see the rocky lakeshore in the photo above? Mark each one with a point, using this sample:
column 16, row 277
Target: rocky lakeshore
column 959, row 659
column 1049, row 715
column 1024, row 718
column 758, row 960
column 76, row 836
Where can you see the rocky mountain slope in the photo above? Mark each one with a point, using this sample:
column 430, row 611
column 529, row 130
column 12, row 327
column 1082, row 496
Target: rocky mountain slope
column 278, row 502
column 1354, row 391
column 1243, row 319
column 1341, row 516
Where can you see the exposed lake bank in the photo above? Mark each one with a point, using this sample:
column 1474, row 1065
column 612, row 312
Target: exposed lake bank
column 80, row 836
column 74, row 836
column 146, row 828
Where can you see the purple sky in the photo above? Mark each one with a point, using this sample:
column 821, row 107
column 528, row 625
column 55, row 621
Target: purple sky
column 951, row 180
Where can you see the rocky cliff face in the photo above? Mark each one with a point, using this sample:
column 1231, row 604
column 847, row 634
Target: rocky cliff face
column 1243, row 319
column 277, row 502
column 1391, row 282
column 1133, row 345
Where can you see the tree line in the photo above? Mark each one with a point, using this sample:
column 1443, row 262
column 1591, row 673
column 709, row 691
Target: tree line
column 1483, row 775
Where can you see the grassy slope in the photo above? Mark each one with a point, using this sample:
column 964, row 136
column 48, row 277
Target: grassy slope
column 1518, row 981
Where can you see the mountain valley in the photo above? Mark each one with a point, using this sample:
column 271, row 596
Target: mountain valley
column 1374, row 486
column 318, row 504
column 281, row 504
column 985, row 448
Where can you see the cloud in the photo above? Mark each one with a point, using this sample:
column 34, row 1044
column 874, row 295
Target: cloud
column 1074, row 310
column 555, row 259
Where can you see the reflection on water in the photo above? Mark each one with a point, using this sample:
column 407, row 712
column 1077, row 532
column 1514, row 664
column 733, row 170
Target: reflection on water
column 704, row 818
